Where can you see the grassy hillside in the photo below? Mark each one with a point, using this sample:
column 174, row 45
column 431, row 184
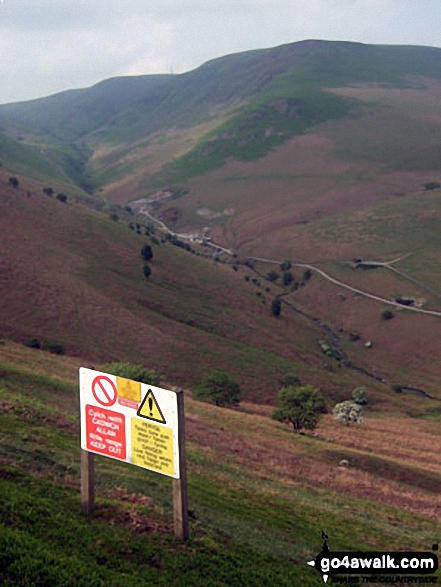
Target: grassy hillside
column 259, row 495
column 245, row 105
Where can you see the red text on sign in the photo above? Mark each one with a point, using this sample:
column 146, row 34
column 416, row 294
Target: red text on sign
column 106, row 432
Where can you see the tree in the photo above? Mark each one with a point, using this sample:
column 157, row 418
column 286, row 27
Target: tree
column 218, row 388
column 14, row 182
column 387, row 315
column 147, row 253
column 276, row 307
column 359, row 396
column 348, row 412
column 287, row 278
column 147, row 271
column 300, row 406
column 272, row 276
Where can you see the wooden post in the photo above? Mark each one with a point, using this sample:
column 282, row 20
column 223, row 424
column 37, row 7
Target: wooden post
column 87, row 482
column 180, row 501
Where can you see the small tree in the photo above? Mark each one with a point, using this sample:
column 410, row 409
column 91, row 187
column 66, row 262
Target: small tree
column 348, row 412
column 147, row 253
column 387, row 315
column 276, row 307
column 359, row 396
column 287, row 278
column 300, row 406
column 147, row 271
column 272, row 276
column 217, row 388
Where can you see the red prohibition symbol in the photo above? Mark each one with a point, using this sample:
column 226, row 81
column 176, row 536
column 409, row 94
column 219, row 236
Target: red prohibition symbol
column 104, row 390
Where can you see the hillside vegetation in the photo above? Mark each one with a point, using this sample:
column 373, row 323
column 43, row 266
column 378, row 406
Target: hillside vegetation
column 260, row 495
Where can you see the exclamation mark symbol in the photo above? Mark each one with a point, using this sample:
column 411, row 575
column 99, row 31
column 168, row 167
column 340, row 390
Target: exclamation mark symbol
column 151, row 406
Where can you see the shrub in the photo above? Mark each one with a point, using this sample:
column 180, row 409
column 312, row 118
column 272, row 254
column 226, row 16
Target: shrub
column 218, row 388
column 14, row 182
column 359, row 396
column 48, row 191
column 387, row 315
column 432, row 185
column 276, row 307
column 62, row 198
column 134, row 372
column 147, row 271
column 114, row 217
column 33, row 343
column 147, row 253
column 285, row 265
column 287, row 278
column 272, row 276
column 348, row 412
column 397, row 387
column 307, row 275
column 53, row 347
column 300, row 406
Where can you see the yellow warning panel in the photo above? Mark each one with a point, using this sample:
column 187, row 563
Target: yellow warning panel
column 150, row 409
column 152, row 447
column 129, row 389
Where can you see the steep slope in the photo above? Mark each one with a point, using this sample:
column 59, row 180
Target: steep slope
column 236, row 107
column 75, row 277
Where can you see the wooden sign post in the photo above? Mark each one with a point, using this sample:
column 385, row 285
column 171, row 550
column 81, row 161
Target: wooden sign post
column 136, row 423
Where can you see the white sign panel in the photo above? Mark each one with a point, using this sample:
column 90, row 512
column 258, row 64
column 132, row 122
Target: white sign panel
column 129, row 421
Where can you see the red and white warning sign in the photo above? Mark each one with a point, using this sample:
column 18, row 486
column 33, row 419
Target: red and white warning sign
column 129, row 421
column 104, row 390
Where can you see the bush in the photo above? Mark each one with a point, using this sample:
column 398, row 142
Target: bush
column 33, row 343
column 62, row 198
column 147, row 271
column 114, row 217
column 48, row 191
column 359, row 396
column 276, row 307
column 300, row 406
column 387, row 315
column 147, row 253
column 432, row 185
column 218, row 388
column 396, row 387
column 287, row 278
column 134, row 372
column 348, row 412
column 307, row 275
column 285, row 265
column 14, row 182
column 53, row 347
column 272, row 276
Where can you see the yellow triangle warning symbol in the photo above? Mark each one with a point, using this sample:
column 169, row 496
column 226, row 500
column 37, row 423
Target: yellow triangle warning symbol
column 150, row 409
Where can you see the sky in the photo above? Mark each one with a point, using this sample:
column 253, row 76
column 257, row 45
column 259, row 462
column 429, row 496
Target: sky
column 47, row 46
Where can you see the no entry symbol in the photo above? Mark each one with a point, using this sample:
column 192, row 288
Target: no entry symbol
column 104, row 390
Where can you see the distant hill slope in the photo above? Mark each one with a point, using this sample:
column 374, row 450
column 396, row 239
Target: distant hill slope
column 236, row 107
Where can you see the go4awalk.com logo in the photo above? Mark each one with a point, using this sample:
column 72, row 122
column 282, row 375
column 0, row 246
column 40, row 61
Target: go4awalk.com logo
column 375, row 567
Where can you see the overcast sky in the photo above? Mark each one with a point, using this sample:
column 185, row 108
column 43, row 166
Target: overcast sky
column 47, row 46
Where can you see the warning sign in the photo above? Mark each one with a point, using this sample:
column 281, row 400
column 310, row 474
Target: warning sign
column 105, row 432
column 109, row 426
column 152, row 446
column 150, row 409
column 128, row 389
column 104, row 390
